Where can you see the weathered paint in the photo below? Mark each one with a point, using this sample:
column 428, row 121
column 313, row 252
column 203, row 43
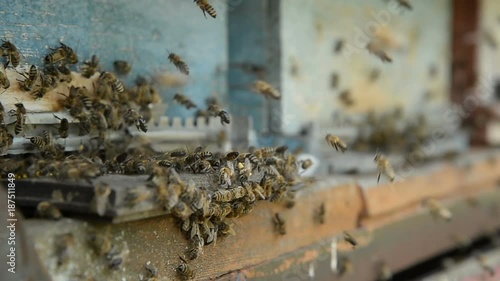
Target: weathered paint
column 142, row 32
column 309, row 31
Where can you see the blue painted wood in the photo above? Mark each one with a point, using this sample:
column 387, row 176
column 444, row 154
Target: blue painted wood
column 141, row 32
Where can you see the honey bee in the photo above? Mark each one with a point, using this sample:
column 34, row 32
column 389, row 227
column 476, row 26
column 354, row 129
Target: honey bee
column 265, row 89
column 336, row 142
column 384, row 167
column 102, row 191
column 219, row 210
column 135, row 167
column 63, row 127
column 231, row 156
column 438, row 210
column 339, row 45
column 346, row 98
column 134, row 116
column 179, row 63
column 46, row 210
column 224, row 116
column 63, row 247
column 20, row 113
column 110, row 79
column 89, row 68
column 227, row 195
column 206, row 8
column 64, row 74
column 319, row 216
column 30, row 79
column 11, row 52
column 197, row 246
column 334, row 80
column 376, row 49
column 350, row 239
column 184, row 270
column 406, row 4
column 279, row 224
column 4, row 81
column 177, row 153
column 225, row 176
column 122, row 67
column 63, row 53
column 38, row 141
column 185, row 101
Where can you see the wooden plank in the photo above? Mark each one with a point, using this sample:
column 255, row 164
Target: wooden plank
column 160, row 240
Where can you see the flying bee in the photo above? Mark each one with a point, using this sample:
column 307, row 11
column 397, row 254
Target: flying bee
column 89, row 68
column 384, row 167
column 350, row 239
column 4, row 81
column 184, row 270
column 11, row 52
column 438, row 210
column 319, row 216
column 179, row 63
column 206, row 8
column 224, row 116
column 134, row 116
column 122, row 67
column 30, row 79
column 63, row 127
column 345, row 98
column 339, row 45
column 405, row 4
column 102, row 191
column 265, row 89
column 185, row 101
column 376, row 49
column 336, row 142
column 47, row 210
column 279, row 224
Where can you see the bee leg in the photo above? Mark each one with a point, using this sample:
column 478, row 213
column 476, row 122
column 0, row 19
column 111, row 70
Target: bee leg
column 378, row 179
